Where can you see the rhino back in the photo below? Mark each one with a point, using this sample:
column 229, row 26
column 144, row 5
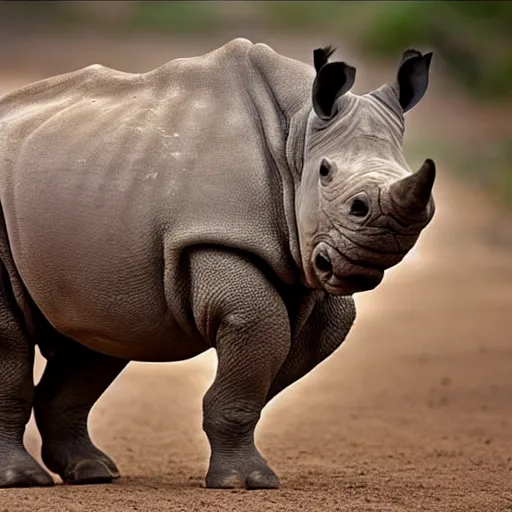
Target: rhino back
column 106, row 173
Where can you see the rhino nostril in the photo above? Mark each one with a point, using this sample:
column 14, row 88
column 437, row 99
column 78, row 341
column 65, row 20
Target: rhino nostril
column 359, row 208
column 323, row 264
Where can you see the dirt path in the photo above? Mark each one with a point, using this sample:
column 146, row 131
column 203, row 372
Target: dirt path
column 413, row 413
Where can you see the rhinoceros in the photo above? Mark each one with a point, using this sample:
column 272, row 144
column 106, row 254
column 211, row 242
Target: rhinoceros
column 235, row 201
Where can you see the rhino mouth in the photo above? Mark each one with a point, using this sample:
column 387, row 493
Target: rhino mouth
column 338, row 275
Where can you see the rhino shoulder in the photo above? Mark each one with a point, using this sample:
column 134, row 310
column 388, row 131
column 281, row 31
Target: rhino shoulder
column 289, row 79
column 233, row 51
column 264, row 55
column 237, row 44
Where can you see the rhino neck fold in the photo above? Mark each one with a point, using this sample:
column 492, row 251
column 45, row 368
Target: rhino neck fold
column 296, row 142
column 280, row 92
column 294, row 155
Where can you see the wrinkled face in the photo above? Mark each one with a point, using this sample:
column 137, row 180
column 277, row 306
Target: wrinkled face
column 359, row 207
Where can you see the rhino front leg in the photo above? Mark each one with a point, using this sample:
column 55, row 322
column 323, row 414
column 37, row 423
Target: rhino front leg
column 17, row 467
column 243, row 316
column 325, row 330
column 74, row 379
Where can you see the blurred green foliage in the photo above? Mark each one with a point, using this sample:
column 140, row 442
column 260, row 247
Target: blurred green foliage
column 41, row 14
column 496, row 162
column 473, row 39
column 488, row 167
column 170, row 17
column 177, row 17
column 312, row 16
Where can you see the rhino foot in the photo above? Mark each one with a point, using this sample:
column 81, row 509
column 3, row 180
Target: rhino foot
column 86, row 465
column 247, row 475
column 19, row 469
column 91, row 472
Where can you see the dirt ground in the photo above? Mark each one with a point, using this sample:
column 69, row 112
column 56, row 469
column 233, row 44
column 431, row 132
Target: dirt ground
column 413, row 413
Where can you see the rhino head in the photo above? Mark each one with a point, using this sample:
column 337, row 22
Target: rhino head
column 359, row 207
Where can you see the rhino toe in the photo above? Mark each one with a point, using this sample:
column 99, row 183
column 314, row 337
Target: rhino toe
column 266, row 479
column 21, row 470
column 242, row 475
column 225, row 480
column 79, row 463
column 91, row 472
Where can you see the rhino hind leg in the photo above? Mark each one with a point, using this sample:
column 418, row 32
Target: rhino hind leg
column 17, row 467
column 73, row 380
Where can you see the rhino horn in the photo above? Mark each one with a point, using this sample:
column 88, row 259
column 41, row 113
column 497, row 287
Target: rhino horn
column 413, row 192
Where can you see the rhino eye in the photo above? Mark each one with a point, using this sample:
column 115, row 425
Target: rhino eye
column 359, row 208
column 325, row 171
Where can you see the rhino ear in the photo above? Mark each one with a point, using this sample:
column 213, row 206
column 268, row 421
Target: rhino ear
column 412, row 78
column 321, row 56
column 333, row 79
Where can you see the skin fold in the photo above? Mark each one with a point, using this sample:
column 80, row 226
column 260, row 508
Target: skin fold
column 234, row 201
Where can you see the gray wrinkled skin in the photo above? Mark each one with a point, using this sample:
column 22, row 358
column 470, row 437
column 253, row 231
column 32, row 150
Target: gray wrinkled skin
column 208, row 203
